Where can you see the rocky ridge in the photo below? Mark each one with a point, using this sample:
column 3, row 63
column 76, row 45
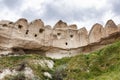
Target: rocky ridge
column 22, row 37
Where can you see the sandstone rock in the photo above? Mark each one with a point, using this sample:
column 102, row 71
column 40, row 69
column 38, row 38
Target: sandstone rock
column 118, row 27
column 5, row 23
column 23, row 37
column 72, row 38
column 5, row 28
column 96, row 33
column 59, row 38
column 21, row 23
column 65, row 38
column 60, row 25
column 20, row 28
column 110, row 27
column 73, row 26
column 5, row 35
column 48, row 27
column 83, row 36
column 36, row 30
column 48, row 35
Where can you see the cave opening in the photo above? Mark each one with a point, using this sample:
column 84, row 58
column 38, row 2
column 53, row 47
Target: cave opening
column 35, row 35
column 58, row 34
column 71, row 36
column 66, row 43
column 20, row 26
column 10, row 22
column 41, row 30
column 27, row 31
column 4, row 25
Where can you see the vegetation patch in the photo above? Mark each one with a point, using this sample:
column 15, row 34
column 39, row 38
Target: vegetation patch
column 103, row 64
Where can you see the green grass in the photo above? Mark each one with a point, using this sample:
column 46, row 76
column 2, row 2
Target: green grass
column 103, row 64
column 99, row 65
column 12, row 62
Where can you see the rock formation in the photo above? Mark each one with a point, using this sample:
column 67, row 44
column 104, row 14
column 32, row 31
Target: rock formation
column 110, row 27
column 83, row 36
column 61, row 40
column 96, row 33
column 118, row 27
column 73, row 26
column 60, row 25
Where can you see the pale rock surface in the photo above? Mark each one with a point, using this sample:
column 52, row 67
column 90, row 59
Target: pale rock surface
column 36, row 30
column 60, row 25
column 96, row 33
column 110, row 27
column 73, row 26
column 21, row 37
column 118, row 27
column 83, row 36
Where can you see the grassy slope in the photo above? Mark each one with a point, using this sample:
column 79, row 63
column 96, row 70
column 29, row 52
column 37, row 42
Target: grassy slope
column 100, row 65
column 103, row 64
column 13, row 62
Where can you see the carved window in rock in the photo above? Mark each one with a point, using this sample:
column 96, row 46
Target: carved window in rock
column 71, row 36
column 15, row 49
column 4, row 25
column 41, row 30
column 20, row 26
column 27, row 31
column 58, row 35
column 10, row 22
column 66, row 43
column 35, row 35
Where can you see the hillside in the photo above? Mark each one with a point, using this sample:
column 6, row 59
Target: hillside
column 103, row 64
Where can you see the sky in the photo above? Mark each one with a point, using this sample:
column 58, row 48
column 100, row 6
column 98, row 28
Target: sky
column 83, row 13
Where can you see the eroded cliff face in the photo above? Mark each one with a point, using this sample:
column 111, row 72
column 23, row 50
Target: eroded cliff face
column 21, row 37
column 97, row 32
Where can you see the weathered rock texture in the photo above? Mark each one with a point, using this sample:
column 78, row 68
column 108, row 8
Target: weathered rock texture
column 110, row 27
column 97, row 32
column 21, row 37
